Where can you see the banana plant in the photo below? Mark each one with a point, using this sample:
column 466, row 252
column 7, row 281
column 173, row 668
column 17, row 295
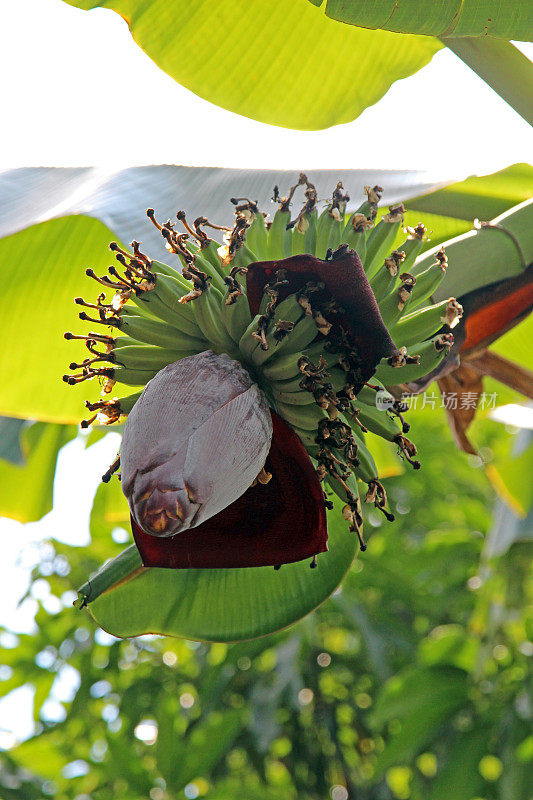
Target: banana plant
column 235, row 53
column 251, row 428
column 266, row 351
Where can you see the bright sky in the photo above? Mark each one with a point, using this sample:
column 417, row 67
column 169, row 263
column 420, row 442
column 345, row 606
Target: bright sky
column 68, row 75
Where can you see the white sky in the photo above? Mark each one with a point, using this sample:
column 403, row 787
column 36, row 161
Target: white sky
column 65, row 71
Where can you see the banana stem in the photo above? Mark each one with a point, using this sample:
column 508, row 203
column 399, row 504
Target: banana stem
column 123, row 567
column 501, row 248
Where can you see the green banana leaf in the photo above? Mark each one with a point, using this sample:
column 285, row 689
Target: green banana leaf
column 27, row 488
column 423, row 699
column 222, row 605
column 287, row 63
column 460, row 777
column 284, row 63
column 507, row 19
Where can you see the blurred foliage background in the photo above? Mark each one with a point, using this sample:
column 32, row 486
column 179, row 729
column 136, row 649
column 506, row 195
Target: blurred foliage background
column 413, row 682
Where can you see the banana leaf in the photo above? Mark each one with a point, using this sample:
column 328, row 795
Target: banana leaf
column 284, row 63
column 507, row 19
column 294, row 65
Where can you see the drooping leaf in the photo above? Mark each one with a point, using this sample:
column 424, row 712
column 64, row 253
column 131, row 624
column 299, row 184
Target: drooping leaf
column 449, row 644
column 460, row 777
column 220, row 605
column 27, row 489
column 482, row 197
column 205, row 746
column 47, row 271
column 507, row 19
column 120, row 198
column 422, row 700
column 282, row 63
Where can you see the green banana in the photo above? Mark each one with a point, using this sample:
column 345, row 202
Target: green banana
column 322, row 233
column 127, row 341
column 158, row 267
column 340, row 490
column 285, row 367
column 202, row 263
column 355, row 231
column 282, row 367
column 210, row 253
column 311, row 233
column 330, row 231
column 248, row 343
column 302, row 335
column 425, row 322
column 381, row 239
column 308, row 439
column 431, row 353
column 366, row 470
column 393, row 305
column 172, row 312
column 279, row 238
column 257, row 237
column 385, row 278
column 305, row 417
column 145, row 357
column 367, row 396
column 427, row 282
column 336, row 231
column 134, row 310
column 299, row 232
column 289, row 310
column 131, row 377
column 152, row 331
column 355, row 222
column 377, row 421
column 412, row 247
column 297, row 398
column 236, row 316
column 127, row 403
column 357, row 242
column 316, row 351
column 244, row 257
column 304, row 332
column 207, row 310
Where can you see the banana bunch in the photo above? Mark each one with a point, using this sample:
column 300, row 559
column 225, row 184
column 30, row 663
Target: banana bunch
column 152, row 314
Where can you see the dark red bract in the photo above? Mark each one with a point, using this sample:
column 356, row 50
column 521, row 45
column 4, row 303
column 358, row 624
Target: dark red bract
column 277, row 523
column 345, row 279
